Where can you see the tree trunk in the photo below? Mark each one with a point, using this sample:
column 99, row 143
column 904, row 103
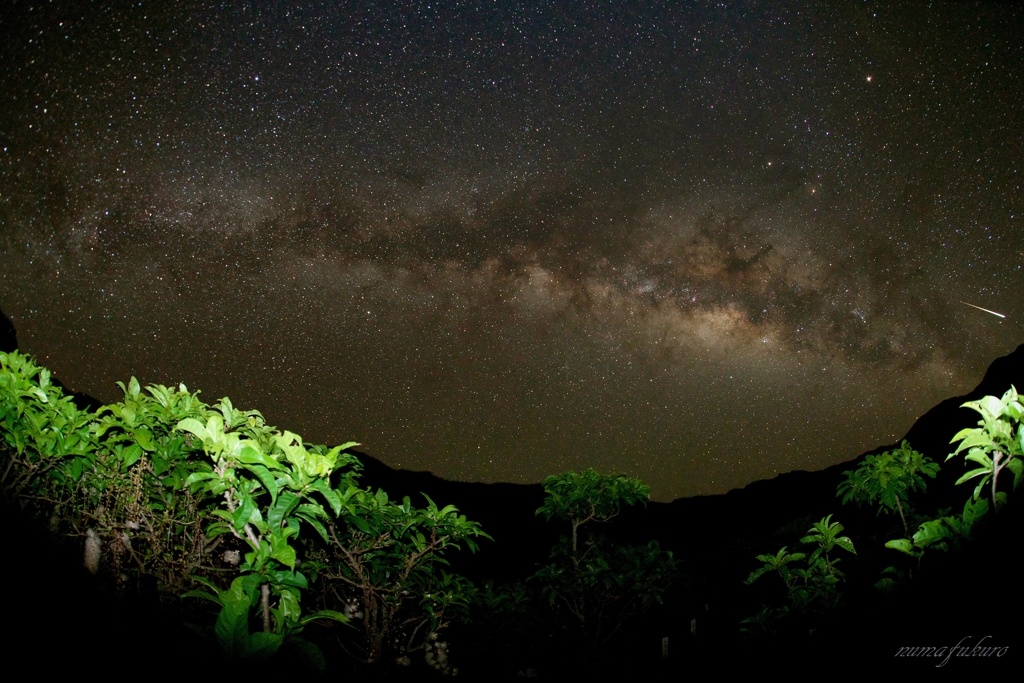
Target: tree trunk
column 265, row 599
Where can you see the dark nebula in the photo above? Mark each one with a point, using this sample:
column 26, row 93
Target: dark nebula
column 697, row 243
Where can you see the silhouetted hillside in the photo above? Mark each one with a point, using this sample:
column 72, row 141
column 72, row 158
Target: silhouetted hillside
column 8, row 336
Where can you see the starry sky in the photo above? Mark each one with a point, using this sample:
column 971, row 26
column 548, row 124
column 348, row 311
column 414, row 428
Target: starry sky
column 698, row 243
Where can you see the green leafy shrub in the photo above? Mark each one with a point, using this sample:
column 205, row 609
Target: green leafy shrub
column 116, row 474
column 943, row 533
column 48, row 440
column 597, row 584
column 997, row 443
column 388, row 558
column 887, row 479
column 269, row 485
column 812, row 579
column 158, row 482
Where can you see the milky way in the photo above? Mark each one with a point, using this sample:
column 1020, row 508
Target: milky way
column 697, row 243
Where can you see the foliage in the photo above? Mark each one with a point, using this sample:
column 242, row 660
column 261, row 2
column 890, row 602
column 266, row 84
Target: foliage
column 232, row 628
column 942, row 534
column 997, row 443
column 118, row 472
column 887, row 479
column 605, row 585
column 269, row 484
column 588, row 496
column 48, row 439
column 600, row 585
column 939, row 533
column 765, row 622
column 138, row 478
column 163, row 479
column 390, row 558
column 812, row 580
column 508, row 628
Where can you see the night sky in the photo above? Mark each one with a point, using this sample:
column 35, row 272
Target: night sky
column 696, row 243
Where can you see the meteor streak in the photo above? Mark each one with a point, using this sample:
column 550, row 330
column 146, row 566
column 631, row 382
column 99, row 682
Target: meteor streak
column 983, row 309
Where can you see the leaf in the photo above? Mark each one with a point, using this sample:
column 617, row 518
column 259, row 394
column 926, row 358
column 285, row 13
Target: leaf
column 232, row 625
column 250, row 455
column 846, row 544
column 974, row 437
column 285, row 504
column 243, row 512
column 201, row 594
column 313, row 522
column 284, row 553
column 990, row 406
column 310, row 653
column 332, row 498
column 160, row 464
column 931, row 532
column 259, row 647
column 133, row 389
column 144, row 438
column 194, row 426
column 290, row 578
column 360, row 524
column 972, row 474
column 196, row 477
column 325, row 614
column 266, row 478
column 903, row 545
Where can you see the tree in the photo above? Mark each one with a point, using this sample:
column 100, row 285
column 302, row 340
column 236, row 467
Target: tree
column 268, row 484
column 997, row 443
column 811, row 587
column 589, row 497
column 600, row 585
column 887, row 479
column 390, row 558
column 943, row 533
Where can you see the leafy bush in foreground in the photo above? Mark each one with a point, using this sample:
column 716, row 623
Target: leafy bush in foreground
column 156, row 483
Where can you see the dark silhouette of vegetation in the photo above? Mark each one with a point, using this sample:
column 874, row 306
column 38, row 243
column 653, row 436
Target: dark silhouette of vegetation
column 303, row 569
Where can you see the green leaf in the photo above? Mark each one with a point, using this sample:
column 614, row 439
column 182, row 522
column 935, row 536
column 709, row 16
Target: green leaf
column 972, row 474
column 259, row 647
column 196, row 477
column 285, row 554
column 251, row 456
column 313, row 522
column 194, row 426
column 332, row 498
column 232, row 625
column 903, row 545
column 290, row 578
column 206, row 595
column 285, row 504
column 243, row 512
column 846, row 544
column 360, row 524
column 310, row 654
column 131, row 455
column 267, row 479
column 974, row 437
column 144, row 437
